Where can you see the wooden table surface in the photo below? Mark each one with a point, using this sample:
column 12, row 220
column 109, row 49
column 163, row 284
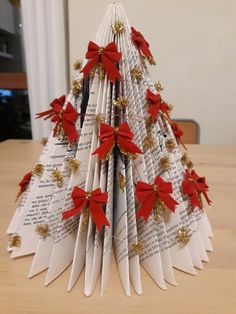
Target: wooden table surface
column 213, row 290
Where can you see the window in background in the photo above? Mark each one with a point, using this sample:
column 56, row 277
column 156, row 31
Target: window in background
column 14, row 104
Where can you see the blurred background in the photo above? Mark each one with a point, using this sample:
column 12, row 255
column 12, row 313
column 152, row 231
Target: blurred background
column 193, row 42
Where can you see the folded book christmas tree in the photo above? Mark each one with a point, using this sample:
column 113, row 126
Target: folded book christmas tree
column 112, row 175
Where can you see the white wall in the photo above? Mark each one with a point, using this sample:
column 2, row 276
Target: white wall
column 194, row 44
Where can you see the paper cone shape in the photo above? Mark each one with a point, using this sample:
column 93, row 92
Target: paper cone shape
column 122, row 184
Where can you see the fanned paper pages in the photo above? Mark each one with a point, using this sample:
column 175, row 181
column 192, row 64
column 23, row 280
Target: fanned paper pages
column 112, row 176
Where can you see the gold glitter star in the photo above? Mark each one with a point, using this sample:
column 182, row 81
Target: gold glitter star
column 38, row 169
column 118, row 27
column 14, row 240
column 138, row 247
column 183, row 235
column 120, row 102
column 136, row 73
column 164, row 162
column 42, row 230
column 57, row 177
column 72, row 163
column 148, row 141
column 170, row 145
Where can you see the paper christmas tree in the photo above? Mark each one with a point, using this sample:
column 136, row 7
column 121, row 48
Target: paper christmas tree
column 112, row 175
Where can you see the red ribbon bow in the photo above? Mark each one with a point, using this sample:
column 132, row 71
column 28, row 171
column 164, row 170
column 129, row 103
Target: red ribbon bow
column 47, row 114
column 108, row 56
column 157, row 104
column 149, row 194
column 91, row 200
column 24, row 183
column 122, row 136
column 178, row 132
column 192, row 186
column 141, row 42
column 67, row 117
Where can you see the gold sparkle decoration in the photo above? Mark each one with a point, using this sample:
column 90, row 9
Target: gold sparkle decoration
column 99, row 118
column 149, row 123
column 14, row 241
column 136, row 73
column 42, row 230
column 170, row 145
column 72, row 163
column 164, row 162
column 148, row 141
column 122, row 182
column 138, row 247
column 183, row 235
column 186, row 161
column 85, row 220
column 77, row 87
column 118, row 27
column 38, row 169
column 78, row 64
column 159, row 88
column 157, row 211
column 57, row 177
column 99, row 69
column 120, row 102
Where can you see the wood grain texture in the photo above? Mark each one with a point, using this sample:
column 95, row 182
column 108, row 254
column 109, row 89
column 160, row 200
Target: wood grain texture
column 213, row 290
column 14, row 80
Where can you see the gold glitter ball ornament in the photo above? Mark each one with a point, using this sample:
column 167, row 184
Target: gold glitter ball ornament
column 72, row 163
column 186, row 161
column 158, row 87
column 122, row 182
column 78, row 64
column 14, row 241
column 77, row 87
column 120, row 102
column 183, row 235
column 136, row 73
column 42, row 230
column 118, row 27
column 138, row 247
column 170, row 145
column 57, row 177
column 38, row 169
column 164, row 163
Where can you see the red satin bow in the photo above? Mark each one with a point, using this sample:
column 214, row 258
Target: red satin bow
column 24, row 183
column 178, row 132
column 67, row 117
column 192, row 186
column 149, row 194
column 47, row 114
column 141, row 42
column 157, row 104
column 108, row 56
column 91, row 200
column 122, row 136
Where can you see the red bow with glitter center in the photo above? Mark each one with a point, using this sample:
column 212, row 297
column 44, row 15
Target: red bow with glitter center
column 192, row 186
column 93, row 201
column 141, row 42
column 121, row 136
column 149, row 194
column 108, row 56
column 157, row 104
column 67, row 117
column 24, row 183
column 178, row 132
column 47, row 114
